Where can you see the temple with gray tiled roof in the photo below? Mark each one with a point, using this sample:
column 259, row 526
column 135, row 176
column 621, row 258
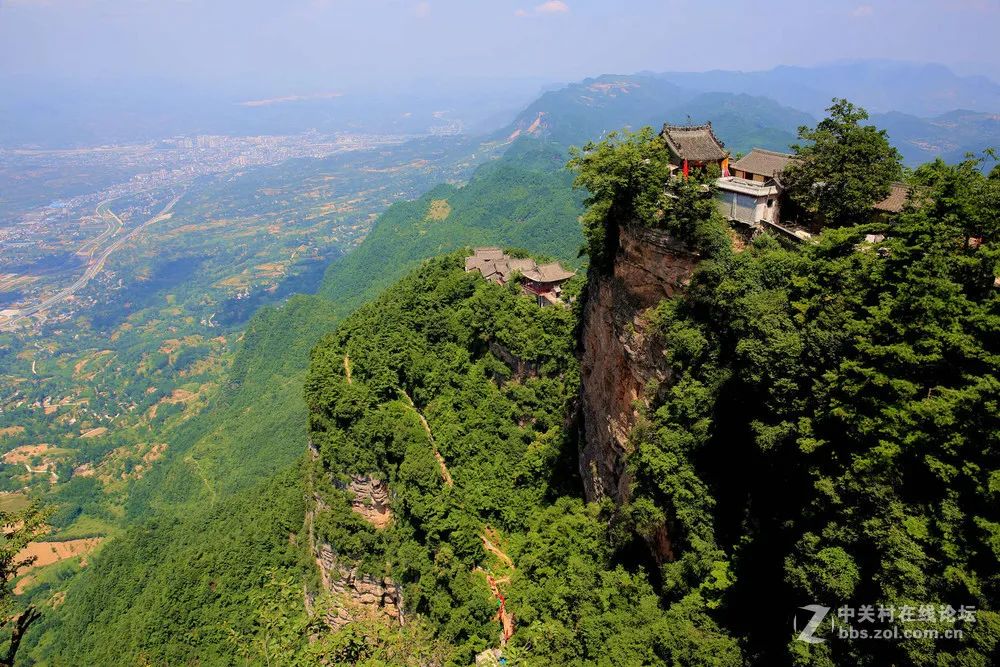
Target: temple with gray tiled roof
column 543, row 281
column 754, row 193
column 694, row 146
column 761, row 165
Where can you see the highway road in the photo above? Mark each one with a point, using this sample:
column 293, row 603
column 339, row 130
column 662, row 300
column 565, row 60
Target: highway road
column 91, row 246
column 94, row 267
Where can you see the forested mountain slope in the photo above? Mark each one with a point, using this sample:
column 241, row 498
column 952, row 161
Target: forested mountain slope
column 524, row 199
column 812, row 424
column 253, row 428
column 256, row 426
column 479, row 461
column 803, row 424
column 217, row 586
column 806, row 424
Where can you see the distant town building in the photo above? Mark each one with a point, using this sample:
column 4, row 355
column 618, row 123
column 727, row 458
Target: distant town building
column 695, row 146
column 542, row 281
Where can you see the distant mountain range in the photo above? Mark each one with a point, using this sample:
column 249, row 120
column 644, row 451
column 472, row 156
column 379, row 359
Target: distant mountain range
column 589, row 109
column 881, row 86
column 758, row 109
column 927, row 109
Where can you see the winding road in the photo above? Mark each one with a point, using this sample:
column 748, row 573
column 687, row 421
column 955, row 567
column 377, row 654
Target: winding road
column 91, row 246
column 94, row 267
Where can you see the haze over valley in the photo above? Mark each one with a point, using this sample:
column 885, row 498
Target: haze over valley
column 404, row 343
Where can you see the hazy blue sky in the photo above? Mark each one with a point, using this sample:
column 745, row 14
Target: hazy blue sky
column 326, row 45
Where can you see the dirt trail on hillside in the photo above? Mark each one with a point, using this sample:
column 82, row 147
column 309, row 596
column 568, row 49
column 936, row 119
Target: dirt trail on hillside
column 445, row 475
column 201, row 473
column 491, row 542
column 504, row 615
column 490, row 539
column 347, row 369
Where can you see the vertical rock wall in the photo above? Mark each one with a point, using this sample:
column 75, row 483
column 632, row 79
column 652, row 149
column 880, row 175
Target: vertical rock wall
column 354, row 592
column 620, row 360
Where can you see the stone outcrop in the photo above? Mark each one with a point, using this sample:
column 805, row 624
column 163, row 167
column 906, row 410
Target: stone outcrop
column 370, row 499
column 355, row 593
column 489, row 658
column 621, row 361
column 520, row 368
column 351, row 594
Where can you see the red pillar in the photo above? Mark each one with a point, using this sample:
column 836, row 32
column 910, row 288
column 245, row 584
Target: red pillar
column 686, row 170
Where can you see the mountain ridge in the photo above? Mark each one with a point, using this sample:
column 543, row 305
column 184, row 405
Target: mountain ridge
column 751, row 116
column 924, row 89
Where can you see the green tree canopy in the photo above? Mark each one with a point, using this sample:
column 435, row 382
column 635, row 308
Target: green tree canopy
column 844, row 168
column 628, row 178
column 20, row 529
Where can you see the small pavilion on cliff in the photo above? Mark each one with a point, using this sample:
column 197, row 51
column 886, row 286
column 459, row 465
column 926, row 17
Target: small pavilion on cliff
column 542, row 281
column 695, row 147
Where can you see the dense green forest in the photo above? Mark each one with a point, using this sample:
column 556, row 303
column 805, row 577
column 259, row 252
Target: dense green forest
column 509, row 453
column 864, row 378
column 256, row 425
column 828, row 434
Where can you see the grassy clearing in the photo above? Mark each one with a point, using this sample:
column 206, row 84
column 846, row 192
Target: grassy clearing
column 13, row 502
column 439, row 210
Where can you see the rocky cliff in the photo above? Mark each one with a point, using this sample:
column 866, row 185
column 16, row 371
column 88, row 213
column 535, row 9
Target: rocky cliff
column 623, row 365
column 354, row 594
column 347, row 593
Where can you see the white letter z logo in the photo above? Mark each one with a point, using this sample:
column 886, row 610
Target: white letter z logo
column 819, row 613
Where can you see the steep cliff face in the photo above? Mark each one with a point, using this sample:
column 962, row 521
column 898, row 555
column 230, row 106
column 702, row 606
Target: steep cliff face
column 622, row 363
column 370, row 499
column 351, row 594
column 354, row 594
